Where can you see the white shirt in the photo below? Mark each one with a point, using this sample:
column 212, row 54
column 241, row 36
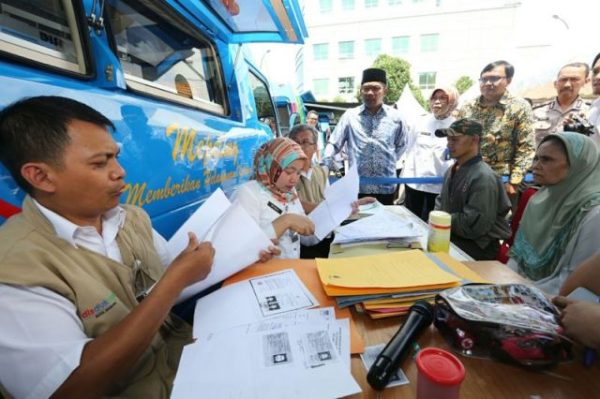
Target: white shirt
column 426, row 155
column 42, row 336
column 264, row 208
column 594, row 119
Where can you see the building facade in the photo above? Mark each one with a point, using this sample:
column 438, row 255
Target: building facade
column 441, row 39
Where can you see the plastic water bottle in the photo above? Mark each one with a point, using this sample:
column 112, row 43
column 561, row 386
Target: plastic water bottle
column 439, row 231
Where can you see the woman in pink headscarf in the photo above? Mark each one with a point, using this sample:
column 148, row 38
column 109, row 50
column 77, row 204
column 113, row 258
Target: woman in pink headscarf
column 271, row 198
column 427, row 154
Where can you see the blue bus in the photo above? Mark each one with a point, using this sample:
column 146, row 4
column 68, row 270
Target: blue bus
column 189, row 107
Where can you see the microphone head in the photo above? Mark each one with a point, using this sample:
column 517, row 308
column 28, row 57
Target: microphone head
column 425, row 309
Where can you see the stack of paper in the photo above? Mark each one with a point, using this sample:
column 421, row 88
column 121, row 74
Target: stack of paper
column 259, row 338
column 381, row 226
column 388, row 284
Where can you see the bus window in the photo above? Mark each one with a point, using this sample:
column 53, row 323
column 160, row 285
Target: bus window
column 44, row 31
column 262, row 98
column 159, row 52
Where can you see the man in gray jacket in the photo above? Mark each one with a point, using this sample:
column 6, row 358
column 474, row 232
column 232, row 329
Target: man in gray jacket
column 473, row 194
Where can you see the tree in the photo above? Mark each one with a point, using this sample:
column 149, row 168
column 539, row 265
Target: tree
column 463, row 84
column 398, row 75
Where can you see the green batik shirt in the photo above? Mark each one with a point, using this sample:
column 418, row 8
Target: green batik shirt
column 507, row 142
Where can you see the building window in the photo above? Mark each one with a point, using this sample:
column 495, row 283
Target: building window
column 321, row 87
column 372, row 47
column 371, row 3
column 348, row 4
column 427, row 80
column 321, row 51
column 346, row 50
column 429, row 43
column 346, row 85
column 400, row 45
column 325, row 6
column 394, row 2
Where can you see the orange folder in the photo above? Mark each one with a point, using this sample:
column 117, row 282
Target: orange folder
column 307, row 272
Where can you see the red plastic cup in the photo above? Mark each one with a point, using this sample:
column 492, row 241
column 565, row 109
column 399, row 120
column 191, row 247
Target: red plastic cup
column 440, row 374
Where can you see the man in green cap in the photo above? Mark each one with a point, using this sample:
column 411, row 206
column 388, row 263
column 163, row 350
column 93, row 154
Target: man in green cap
column 473, row 194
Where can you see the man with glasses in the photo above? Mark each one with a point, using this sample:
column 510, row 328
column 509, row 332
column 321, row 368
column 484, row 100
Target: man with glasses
column 552, row 116
column 311, row 186
column 312, row 120
column 507, row 142
column 375, row 136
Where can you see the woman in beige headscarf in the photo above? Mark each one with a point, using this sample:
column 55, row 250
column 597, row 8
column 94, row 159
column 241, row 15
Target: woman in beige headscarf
column 427, row 154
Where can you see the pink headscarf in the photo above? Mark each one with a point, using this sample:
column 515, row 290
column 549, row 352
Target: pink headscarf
column 270, row 160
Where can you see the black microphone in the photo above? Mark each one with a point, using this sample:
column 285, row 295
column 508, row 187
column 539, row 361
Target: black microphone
column 419, row 317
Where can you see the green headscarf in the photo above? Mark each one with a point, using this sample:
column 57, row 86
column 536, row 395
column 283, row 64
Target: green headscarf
column 554, row 213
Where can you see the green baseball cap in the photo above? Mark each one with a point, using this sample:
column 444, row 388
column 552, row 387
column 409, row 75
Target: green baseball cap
column 465, row 126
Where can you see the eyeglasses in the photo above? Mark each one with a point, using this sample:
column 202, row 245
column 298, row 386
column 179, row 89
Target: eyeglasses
column 491, row 79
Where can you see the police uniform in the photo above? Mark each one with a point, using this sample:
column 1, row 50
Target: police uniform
column 549, row 117
column 594, row 119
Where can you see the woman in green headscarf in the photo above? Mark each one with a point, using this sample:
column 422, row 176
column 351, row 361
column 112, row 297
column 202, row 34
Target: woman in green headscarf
column 561, row 224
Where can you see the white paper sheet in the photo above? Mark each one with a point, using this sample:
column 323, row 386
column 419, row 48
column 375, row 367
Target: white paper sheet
column 381, row 226
column 371, row 209
column 251, row 300
column 337, row 205
column 200, row 221
column 245, row 362
column 219, row 222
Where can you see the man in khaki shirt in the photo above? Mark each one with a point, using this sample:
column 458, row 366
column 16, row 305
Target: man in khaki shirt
column 507, row 143
column 551, row 117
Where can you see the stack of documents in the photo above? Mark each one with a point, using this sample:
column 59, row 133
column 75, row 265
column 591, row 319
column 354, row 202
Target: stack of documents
column 381, row 226
column 388, row 284
column 261, row 338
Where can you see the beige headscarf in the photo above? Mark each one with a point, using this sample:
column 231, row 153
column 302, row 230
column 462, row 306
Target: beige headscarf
column 452, row 94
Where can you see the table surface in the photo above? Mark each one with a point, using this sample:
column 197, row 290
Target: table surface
column 484, row 378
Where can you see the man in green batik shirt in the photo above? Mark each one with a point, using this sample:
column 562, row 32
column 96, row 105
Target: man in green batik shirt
column 507, row 144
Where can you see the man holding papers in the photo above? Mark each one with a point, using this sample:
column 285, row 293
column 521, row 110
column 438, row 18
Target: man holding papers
column 85, row 299
column 473, row 194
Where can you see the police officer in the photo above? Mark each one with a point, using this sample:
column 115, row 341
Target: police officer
column 550, row 117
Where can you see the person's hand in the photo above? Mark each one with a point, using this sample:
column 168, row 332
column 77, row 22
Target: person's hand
column 580, row 319
column 366, row 200
column 355, row 206
column 194, row 262
column 268, row 254
column 300, row 224
column 361, row 201
column 511, row 189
